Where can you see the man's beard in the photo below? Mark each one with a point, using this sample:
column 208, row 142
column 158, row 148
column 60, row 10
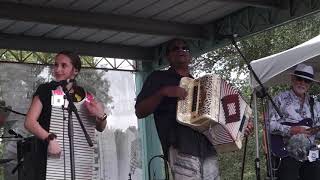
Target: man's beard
column 300, row 90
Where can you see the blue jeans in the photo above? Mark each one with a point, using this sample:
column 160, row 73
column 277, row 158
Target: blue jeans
column 188, row 167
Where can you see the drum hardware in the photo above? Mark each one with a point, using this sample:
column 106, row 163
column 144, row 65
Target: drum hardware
column 15, row 137
column 17, row 166
column 3, row 161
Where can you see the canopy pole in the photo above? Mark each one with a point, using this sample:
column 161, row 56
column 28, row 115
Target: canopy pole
column 266, row 121
column 257, row 160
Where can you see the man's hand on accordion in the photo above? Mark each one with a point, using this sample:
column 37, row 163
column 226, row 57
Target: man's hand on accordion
column 54, row 149
column 249, row 128
column 173, row 91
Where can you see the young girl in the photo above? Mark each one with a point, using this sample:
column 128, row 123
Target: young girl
column 67, row 66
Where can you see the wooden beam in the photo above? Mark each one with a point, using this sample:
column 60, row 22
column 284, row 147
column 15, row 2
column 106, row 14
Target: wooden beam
column 85, row 19
column 28, row 43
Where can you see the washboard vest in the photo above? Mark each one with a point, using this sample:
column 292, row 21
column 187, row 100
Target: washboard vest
column 84, row 154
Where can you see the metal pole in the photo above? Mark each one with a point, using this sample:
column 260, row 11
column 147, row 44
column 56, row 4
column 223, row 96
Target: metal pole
column 71, row 145
column 267, row 137
column 257, row 160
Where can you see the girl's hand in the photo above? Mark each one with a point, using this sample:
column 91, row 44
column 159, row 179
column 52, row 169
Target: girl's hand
column 95, row 108
column 54, row 149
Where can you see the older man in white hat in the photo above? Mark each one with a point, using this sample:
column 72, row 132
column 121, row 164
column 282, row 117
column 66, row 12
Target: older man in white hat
column 300, row 112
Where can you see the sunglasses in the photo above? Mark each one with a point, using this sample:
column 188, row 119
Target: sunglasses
column 308, row 81
column 177, row 48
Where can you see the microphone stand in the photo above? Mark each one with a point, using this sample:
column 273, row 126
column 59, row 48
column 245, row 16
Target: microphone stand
column 245, row 147
column 72, row 108
column 244, row 157
column 268, row 144
column 263, row 89
column 15, row 137
column 16, row 112
column 20, row 158
column 20, row 162
column 11, row 138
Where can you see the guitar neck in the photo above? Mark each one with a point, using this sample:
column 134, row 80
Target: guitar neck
column 314, row 129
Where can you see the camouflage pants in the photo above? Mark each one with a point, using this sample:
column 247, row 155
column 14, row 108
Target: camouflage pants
column 188, row 167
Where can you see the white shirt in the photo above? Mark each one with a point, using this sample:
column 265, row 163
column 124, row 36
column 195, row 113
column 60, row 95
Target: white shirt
column 292, row 110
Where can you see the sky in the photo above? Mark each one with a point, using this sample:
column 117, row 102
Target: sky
column 122, row 90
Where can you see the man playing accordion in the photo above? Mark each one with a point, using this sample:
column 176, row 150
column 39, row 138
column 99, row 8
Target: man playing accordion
column 190, row 154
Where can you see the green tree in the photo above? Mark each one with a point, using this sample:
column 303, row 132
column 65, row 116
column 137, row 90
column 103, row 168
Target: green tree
column 95, row 82
column 227, row 63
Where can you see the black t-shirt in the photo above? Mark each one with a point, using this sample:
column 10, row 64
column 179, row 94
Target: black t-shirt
column 36, row 160
column 44, row 93
column 169, row 130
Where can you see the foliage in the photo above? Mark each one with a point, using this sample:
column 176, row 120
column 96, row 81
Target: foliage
column 94, row 81
column 229, row 65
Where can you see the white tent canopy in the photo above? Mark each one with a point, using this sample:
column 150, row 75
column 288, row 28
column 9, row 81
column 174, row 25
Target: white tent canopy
column 275, row 69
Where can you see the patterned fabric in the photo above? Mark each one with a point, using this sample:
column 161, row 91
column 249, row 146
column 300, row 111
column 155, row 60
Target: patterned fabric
column 293, row 112
column 187, row 167
column 299, row 146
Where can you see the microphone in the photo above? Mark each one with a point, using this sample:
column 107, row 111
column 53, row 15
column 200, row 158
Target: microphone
column 12, row 132
column 55, row 84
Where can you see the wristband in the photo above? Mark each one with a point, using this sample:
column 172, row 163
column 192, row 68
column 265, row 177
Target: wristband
column 104, row 117
column 51, row 137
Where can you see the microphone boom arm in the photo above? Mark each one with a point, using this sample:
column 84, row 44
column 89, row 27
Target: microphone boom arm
column 263, row 89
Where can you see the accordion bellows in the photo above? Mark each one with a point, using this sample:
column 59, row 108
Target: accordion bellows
column 216, row 109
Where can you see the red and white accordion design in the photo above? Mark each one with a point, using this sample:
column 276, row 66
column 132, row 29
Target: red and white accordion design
column 216, row 109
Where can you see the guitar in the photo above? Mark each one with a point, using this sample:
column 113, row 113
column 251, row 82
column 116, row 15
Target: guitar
column 278, row 147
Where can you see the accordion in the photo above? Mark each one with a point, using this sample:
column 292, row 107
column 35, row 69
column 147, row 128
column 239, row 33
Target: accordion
column 215, row 109
column 84, row 154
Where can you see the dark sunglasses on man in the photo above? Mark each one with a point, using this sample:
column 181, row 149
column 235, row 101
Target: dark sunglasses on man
column 177, row 48
column 308, row 81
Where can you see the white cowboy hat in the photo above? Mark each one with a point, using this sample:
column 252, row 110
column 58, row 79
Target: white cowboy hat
column 305, row 72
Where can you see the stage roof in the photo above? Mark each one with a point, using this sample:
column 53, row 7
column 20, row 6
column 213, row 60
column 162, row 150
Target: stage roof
column 137, row 29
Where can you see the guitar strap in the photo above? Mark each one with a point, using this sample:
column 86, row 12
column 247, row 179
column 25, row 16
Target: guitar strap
column 311, row 102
